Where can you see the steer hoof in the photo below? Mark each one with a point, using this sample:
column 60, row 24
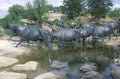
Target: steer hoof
column 39, row 47
column 17, row 46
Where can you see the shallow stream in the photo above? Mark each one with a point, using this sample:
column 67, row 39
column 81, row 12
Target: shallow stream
column 75, row 56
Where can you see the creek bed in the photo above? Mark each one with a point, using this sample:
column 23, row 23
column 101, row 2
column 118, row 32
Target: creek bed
column 75, row 56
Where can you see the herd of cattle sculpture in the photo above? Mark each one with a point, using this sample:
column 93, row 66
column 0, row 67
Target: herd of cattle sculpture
column 72, row 33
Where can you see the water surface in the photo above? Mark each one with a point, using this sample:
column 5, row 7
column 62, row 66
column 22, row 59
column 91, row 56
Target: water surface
column 75, row 56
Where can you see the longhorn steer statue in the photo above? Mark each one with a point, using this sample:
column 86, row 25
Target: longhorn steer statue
column 33, row 33
column 65, row 34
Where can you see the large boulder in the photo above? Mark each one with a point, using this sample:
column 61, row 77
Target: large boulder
column 115, row 71
column 118, row 62
column 53, row 75
column 92, row 75
column 8, row 49
column 7, row 61
column 58, row 65
column 88, row 67
column 31, row 65
column 12, row 75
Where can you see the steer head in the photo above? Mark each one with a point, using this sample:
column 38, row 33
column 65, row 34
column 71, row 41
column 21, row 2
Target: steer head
column 7, row 26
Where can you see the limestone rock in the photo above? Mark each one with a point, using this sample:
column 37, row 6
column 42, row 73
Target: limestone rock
column 115, row 71
column 92, row 75
column 88, row 67
column 31, row 65
column 7, row 61
column 53, row 75
column 12, row 75
column 58, row 65
column 118, row 62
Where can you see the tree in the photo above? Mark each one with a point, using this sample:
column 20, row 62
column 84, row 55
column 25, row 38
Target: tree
column 30, row 12
column 115, row 14
column 17, row 11
column 73, row 8
column 36, row 10
column 99, row 8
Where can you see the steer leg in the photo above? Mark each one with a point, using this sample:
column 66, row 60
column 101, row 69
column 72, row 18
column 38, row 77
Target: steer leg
column 39, row 44
column 28, row 43
column 60, row 42
column 103, row 42
column 21, row 40
column 116, row 34
column 49, row 45
column 94, row 42
column 10, row 37
column 84, row 44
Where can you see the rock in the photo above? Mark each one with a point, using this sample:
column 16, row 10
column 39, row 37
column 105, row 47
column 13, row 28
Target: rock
column 92, row 75
column 115, row 71
column 53, row 75
column 8, row 49
column 88, row 67
column 58, row 65
column 31, row 65
column 12, row 75
column 7, row 61
column 54, row 46
column 115, row 60
column 118, row 62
